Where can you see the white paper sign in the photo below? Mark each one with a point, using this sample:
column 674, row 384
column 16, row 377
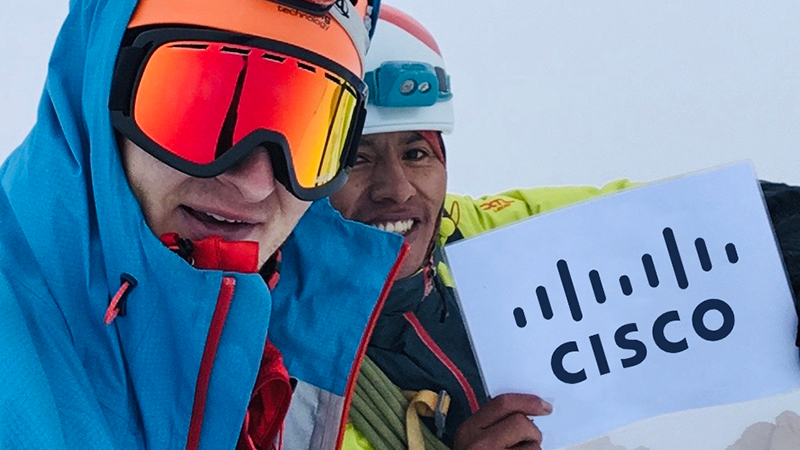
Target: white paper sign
column 663, row 298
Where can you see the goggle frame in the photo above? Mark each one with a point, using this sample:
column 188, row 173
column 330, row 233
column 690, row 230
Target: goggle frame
column 132, row 61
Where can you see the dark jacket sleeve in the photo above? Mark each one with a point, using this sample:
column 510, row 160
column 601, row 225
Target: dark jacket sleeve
column 783, row 203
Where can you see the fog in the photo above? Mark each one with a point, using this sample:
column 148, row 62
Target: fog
column 560, row 92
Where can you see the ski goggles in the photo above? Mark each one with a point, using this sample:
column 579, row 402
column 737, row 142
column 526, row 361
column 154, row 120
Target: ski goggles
column 201, row 100
column 400, row 84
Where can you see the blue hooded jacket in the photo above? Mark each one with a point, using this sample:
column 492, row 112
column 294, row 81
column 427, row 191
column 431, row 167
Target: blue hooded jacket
column 71, row 227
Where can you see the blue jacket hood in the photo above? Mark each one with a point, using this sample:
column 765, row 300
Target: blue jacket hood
column 72, row 226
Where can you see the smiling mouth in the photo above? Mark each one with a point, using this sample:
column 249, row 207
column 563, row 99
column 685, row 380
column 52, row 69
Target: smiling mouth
column 216, row 220
column 401, row 227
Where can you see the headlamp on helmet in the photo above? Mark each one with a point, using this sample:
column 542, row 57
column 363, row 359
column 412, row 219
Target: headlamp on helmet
column 398, row 84
column 409, row 87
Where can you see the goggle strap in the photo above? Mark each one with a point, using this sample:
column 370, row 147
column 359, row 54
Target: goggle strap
column 125, row 73
column 344, row 13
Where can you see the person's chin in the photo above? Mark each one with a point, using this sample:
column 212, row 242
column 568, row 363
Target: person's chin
column 417, row 250
column 412, row 238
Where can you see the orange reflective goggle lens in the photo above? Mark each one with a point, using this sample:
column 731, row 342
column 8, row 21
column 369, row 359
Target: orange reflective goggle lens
column 202, row 105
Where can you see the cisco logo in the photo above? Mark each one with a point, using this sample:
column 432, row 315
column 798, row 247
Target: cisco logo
column 625, row 336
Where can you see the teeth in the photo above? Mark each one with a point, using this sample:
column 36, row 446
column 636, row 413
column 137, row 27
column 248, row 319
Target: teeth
column 400, row 227
column 222, row 219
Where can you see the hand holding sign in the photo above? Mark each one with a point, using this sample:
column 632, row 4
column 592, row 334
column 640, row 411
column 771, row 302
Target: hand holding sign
column 503, row 423
column 634, row 305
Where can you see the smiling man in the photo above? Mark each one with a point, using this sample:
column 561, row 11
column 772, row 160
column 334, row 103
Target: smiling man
column 398, row 184
column 163, row 270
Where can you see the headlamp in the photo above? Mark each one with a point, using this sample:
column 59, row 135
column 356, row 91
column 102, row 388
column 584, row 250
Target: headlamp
column 400, row 84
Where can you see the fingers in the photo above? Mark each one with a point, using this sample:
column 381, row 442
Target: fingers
column 503, row 423
column 505, row 405
column 513, row 432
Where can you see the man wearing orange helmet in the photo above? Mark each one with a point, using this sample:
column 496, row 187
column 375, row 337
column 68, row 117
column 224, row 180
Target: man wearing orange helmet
column 149, row 214
column 398, row 184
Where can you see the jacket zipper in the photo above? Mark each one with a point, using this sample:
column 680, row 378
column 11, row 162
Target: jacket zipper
column 362, row 348
column 426, row 338
column 207, row 362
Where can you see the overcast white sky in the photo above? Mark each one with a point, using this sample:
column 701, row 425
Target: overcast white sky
column 560, row 91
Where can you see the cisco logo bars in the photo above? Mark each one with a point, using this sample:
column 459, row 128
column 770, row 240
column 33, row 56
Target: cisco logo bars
column 621, row 337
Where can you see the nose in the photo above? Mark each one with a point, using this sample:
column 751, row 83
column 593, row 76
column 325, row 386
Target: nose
column 253, row 177
column 392, row 184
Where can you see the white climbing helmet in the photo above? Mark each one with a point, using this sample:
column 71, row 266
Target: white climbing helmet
column 409, row 88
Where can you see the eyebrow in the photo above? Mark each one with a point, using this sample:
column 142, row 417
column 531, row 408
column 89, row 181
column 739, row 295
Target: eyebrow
column 367, row 141
column 415, row 138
